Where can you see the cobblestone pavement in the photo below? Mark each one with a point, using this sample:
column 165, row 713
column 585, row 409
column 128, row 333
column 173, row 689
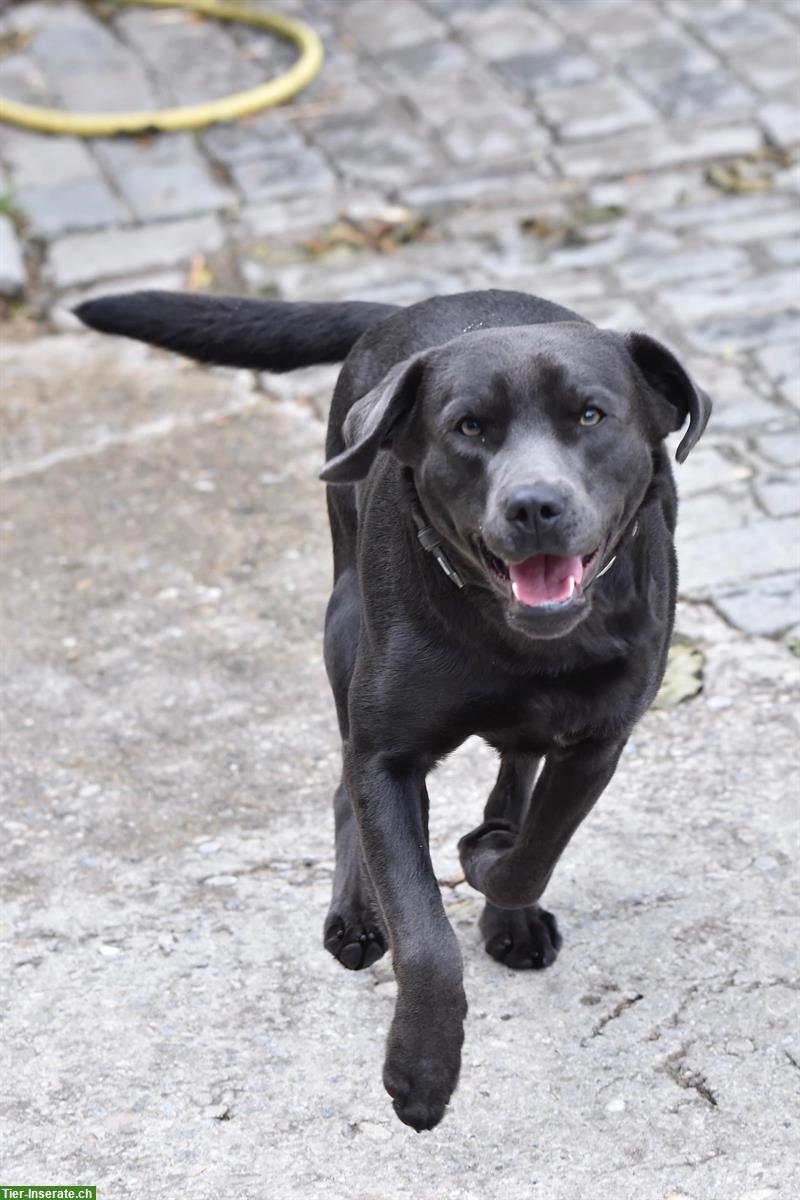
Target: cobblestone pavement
column 173, row 1020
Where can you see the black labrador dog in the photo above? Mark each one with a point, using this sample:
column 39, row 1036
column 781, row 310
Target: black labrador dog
column 502, row 511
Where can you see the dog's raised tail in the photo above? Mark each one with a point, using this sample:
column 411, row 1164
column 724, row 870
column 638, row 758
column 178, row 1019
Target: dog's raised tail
column 262, row 335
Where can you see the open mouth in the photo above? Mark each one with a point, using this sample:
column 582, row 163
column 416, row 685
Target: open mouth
column 543, row 580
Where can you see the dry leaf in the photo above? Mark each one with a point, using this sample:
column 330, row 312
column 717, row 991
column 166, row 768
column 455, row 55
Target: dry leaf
column 200, row 277
column 684, row 676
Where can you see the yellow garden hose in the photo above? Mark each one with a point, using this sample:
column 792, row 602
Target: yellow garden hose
column 193, row 116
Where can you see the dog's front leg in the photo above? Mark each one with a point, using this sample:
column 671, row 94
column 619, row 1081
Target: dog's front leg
column 512, row 868
column 423, row 1053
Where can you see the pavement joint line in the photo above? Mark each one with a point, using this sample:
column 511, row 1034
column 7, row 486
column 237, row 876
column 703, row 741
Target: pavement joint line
column 162, row 427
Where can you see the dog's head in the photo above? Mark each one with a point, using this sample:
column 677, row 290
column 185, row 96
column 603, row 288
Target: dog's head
column 532, row 449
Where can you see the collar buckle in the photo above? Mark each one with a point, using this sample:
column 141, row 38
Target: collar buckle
column 426, row 535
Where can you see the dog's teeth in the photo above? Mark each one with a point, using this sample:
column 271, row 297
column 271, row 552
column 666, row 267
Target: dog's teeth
column 571, row 586
column 515, row 591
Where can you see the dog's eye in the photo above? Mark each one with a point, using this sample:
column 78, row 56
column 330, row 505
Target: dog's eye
column 469, row 427
column 591, row 416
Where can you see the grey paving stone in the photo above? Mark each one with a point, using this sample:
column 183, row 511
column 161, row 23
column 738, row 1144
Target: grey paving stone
column 573, row 289
column 745, row 333
column 781, row 122
column 734, row 411
column 789, row 177
column 732, row 294
column 655, row 270
column 447, row 189
column 612, row 312
column 716, row 512
column 162, row 177
column 239, row 142
column 776, row 224
column 380, row 27
column 306, row 212
column 736, row 556
column 37, row 161
column 410, row 274
column 540, row 70
column 286, row 167
column 640, row 151
column 782, row 364
column 606, row 106
column 698, row 93
column 657, row 60
column 498, row 30
column 612, row 25
column 454, row 9
column 684, row 80
column 82, row 258
column 23, row 79
column 785, row 251
column 12, row 266
column 458, row 99
column 708, row 469
column 745, row 25
column 158, row 191
column 343, row 86
column 779, row 493
column 30, row 15
column 87, row 67
column 767, row 606
column 67, row 207
column 192, row 61
column 121, row 154
column 479, row 131
column 782, row 448
column 663, row 193
column 716, row 210
column 771, row 65
column 607, row 248
column 386, row 151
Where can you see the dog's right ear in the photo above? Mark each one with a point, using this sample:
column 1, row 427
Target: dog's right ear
column 374, row 422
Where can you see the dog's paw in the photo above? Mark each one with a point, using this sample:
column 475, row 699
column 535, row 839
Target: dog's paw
column 355, row 943
column 480, row 849
column 421, row 1072
column 522, row 938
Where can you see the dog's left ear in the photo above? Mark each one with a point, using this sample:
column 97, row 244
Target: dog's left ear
column 374, row 422
column 677, row 395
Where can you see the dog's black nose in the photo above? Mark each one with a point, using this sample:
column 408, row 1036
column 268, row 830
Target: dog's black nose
column 535, row 508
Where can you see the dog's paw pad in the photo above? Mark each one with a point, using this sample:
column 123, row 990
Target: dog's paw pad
column 355, row 946
column 526, row 939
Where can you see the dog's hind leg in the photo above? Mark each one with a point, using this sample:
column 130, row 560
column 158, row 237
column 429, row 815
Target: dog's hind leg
column 512, row 866
column 523, row 938
column 354, row 932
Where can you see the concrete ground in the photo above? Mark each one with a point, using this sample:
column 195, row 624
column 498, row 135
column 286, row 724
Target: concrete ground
column 170, row 1019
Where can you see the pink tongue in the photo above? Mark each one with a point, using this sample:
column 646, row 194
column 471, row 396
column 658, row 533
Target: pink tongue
column 545, row 578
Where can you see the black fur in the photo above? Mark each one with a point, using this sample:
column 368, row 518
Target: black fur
column 262, row 335
column 418, row 665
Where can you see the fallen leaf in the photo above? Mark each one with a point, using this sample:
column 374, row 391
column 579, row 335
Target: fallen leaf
column 684, row 675
column 199, row 277
column 393, row 228
column 13, row 43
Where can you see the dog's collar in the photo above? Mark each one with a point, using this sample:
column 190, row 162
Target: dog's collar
column 426, row 535
column 430, row 540
column 613, row 559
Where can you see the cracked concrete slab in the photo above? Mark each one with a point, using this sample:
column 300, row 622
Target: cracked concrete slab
column 171, row 1019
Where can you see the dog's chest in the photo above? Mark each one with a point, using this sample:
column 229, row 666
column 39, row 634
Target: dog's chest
column 533, row 716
